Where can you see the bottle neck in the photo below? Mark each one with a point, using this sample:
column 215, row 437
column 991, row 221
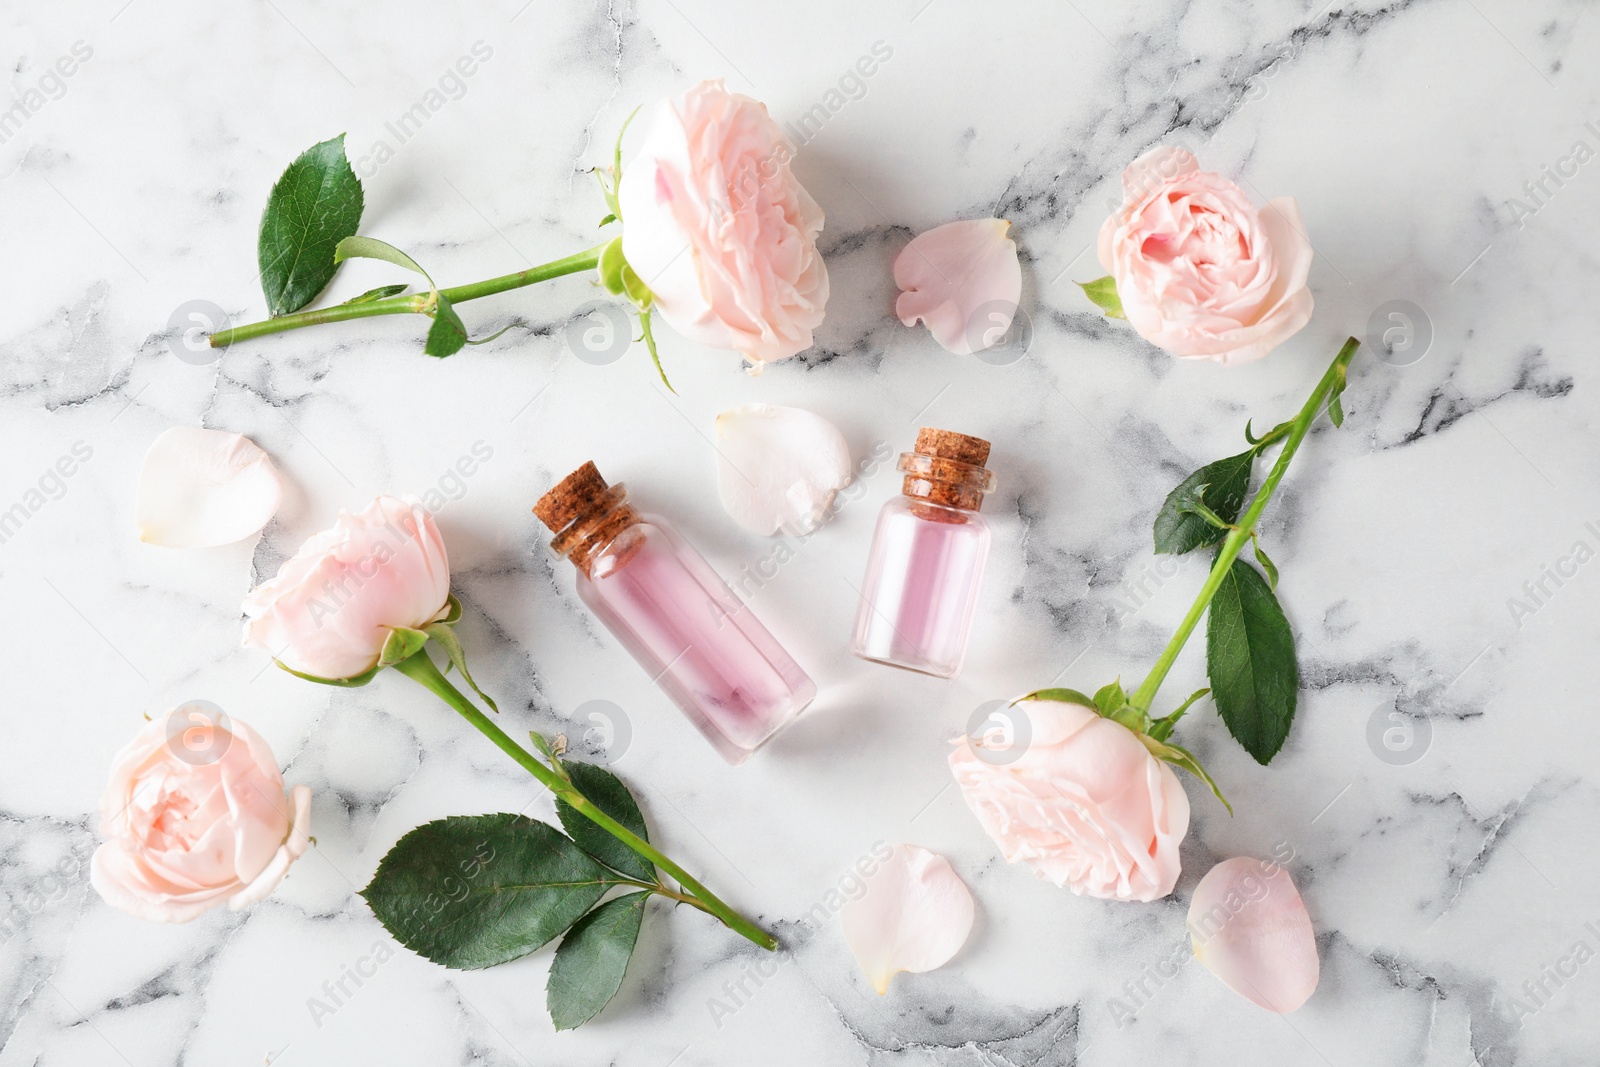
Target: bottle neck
column 595, row 527
column 947, row 482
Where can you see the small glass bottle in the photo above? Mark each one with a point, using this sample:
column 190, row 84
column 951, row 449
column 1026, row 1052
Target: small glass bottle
column 926, row 566
column 698, row 641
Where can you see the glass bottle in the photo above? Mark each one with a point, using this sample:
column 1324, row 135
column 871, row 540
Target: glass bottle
column 698, row 641
column 927, row 559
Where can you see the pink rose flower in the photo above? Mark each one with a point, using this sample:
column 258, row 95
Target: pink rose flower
column 1079, row 799
column 716, row 225
column 1199, row 272
column 195, row 816
column 330, row 609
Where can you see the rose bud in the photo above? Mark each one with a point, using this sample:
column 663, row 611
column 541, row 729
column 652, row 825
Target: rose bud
column 1198, row 271
column 332, row 606
column 195, row 816
column 1077, row 797
column 717, row 226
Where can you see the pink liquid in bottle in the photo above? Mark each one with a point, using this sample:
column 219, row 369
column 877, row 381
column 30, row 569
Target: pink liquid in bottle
column 925, row 569
column 700, row 644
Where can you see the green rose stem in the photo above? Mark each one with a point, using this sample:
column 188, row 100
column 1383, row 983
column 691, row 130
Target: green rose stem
column 414, row 303
column 420, row 668
column 1237, row 537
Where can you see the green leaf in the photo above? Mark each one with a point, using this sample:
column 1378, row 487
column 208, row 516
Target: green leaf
column 611, row 266
column 608, row 220
column 592, row 959
column 1064, row 696
column 316, row 203
column 448, row 333
column 1163, row 727
column 1103, row 291
column 606, row 792
column 372, row 248
column 477, row 890
column 1220, row 487
column 442, row 633
column 1250, row 659
column 1181, row 757
column 380, row 293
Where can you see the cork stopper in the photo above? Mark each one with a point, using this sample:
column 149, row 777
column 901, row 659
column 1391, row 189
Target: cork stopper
column 947, row 444
column 585, row 515
column 571, row 497
column 947, row 468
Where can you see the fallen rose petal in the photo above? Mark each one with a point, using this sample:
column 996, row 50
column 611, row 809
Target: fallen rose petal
column 915, row 915
column 201, row 488
column 779, row 468
column 963, row 281
column 1249, row 927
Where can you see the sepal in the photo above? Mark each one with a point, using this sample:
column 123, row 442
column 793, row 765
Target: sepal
column 1060, row 696
column 611, row 266
column 1181, row 757
column 442, row 633
column 1162, row 728
column 402, row 643
column 352, row 682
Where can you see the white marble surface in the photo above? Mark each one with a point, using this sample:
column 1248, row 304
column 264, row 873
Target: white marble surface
column 1404, row 128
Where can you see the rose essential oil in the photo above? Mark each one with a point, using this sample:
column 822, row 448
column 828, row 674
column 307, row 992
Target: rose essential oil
column 699, row 642
column 927, row 559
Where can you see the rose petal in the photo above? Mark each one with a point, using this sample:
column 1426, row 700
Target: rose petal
column 1154, row 169
column 779, row 468
column 200, row 488
column 292, row 848
column 915, row 915
column 1249, row 927
column 963, row 280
